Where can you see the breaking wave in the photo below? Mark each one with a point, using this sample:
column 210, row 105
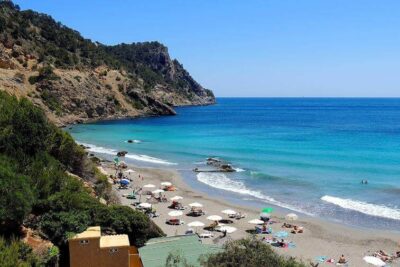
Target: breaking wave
column 113, row 152
column 363, row 207
column 221, row 181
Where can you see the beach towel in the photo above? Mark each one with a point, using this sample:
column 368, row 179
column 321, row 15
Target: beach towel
column 321, row 258
column 281, row 234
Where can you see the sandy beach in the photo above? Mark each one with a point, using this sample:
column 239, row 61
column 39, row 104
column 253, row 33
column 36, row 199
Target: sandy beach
column 320, row 238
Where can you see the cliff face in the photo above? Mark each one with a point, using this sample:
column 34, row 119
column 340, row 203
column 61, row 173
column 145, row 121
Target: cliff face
column 75, row 80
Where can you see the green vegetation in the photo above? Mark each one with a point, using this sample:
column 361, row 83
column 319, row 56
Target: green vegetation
column 34, row 158
column 54, row 44
column 250, row 253
column 45, row 73
column 14, row 253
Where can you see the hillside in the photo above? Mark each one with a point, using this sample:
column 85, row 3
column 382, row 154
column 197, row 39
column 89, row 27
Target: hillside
column 75, row 80
column 50, row 187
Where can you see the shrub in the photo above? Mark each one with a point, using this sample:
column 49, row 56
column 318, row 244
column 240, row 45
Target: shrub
column 16, row 197
column 248, row 252
column 17, row 254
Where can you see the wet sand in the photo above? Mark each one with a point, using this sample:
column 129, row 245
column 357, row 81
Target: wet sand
column 320, row 238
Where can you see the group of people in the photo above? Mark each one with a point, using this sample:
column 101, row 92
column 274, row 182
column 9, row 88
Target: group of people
column 296, row 229
column 381, row 254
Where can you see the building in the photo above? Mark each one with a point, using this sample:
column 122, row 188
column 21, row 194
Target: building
column 157, row 250
column 91, row 249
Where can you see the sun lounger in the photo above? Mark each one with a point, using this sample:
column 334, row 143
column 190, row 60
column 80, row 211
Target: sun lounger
column 206, row 235
column 174, row 222
column 196, row 213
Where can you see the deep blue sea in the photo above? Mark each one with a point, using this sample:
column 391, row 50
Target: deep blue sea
column 303, row 154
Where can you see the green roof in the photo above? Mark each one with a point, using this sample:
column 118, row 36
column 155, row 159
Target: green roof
column 156, row 250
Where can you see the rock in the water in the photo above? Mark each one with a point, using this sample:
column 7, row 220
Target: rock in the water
column 122, row 153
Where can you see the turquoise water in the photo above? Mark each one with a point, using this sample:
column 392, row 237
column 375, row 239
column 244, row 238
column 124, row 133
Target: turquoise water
column 302, row 154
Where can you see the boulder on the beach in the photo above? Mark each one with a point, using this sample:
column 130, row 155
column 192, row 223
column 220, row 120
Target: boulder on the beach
column 122, row 153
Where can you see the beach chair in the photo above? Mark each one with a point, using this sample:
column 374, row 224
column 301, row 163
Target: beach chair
column 206, row 234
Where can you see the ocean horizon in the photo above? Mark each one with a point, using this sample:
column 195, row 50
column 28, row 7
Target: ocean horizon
column 303, row 154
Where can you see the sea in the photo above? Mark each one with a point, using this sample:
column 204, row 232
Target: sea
column 302, row 155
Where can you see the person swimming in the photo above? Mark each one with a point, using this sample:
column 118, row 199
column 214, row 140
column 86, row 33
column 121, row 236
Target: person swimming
column 364, row 181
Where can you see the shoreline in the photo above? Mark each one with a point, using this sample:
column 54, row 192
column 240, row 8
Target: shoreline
column 320, row 238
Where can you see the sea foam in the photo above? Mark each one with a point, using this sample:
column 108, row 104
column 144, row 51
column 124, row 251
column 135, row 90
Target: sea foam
column 109, row 151
column 221, row 181
column 363, row 207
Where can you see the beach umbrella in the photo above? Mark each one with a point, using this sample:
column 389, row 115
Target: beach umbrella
column 291, row 217
column 281, row 234
column 176, row 198
column 196, row 205
column 157, row 191
column 256, row 221
column 145, row 205
column 196, row 224
column 228, row 229
column 374, row 261
column 175, row 213
column 267, row 210
column 214, row 218
column 149, row 186
column 129, row 171
column 229, row 212
column 166, row 183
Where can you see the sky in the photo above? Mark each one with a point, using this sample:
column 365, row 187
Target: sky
column 256, row 48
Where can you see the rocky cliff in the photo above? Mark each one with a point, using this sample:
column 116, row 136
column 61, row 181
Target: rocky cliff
column 75, row 80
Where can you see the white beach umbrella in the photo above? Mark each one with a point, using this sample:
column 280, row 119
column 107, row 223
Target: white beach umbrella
column 157, row 191
column 196, row 224
column 228, row 229
column 166, row 183
column 214, row 218
column 175, row 213
column 374, row 261
column 145, row 205
column 176, row 198
column 149, row 186
column 256, row 221
column 229, row 212
column 129, row 171
column 291, row 217
column 196, row 205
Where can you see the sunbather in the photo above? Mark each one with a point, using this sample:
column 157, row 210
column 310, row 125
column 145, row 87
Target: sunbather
column 382, row 255
column 264, row 227
column 297, row 229
column 342, row 260
column 287, row 225
column 282, row 243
